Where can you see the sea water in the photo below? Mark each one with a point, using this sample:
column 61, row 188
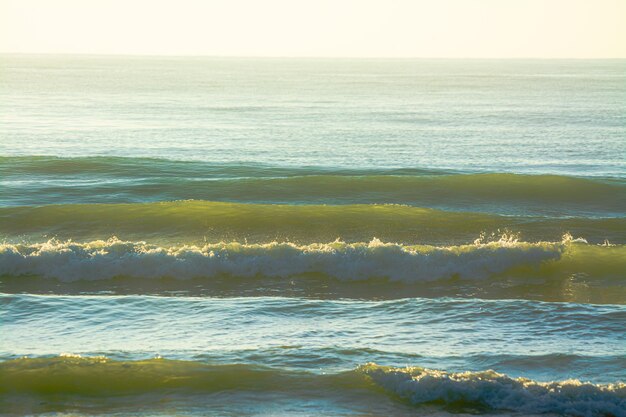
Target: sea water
column 211, row 236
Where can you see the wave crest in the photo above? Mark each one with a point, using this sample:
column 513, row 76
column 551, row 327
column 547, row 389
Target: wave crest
column 494, row 391
column 70, row 261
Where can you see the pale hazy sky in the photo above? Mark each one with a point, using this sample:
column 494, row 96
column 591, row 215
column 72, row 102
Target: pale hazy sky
column 368, row 28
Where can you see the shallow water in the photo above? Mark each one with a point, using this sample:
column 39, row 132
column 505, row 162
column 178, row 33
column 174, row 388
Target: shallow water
column 312, row 237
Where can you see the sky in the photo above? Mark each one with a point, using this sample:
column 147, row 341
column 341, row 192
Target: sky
column 318, row 28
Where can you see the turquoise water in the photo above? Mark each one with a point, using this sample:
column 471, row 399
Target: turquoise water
column 198, row 236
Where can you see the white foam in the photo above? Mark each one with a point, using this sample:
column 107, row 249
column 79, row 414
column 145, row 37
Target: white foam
column 500, row 392
column 69, row 261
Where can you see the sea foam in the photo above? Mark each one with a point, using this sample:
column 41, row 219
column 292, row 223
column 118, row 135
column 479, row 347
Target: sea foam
column 70, row 261
column 495, row 391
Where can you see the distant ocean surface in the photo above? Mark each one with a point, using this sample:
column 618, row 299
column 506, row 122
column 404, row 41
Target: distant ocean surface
column 252, row 237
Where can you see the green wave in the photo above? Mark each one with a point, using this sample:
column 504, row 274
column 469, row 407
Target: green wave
column 70, row 374
column 201, row 221
column 42, row 180
column 70, row 377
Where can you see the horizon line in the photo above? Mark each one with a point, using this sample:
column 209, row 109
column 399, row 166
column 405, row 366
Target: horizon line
column 373, row 57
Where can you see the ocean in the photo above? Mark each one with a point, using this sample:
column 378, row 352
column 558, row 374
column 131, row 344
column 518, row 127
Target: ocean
column 312, row 237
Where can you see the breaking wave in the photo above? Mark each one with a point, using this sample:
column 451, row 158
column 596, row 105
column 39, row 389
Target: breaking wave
column 70, row 261
column 493, row 391
column 77, row 376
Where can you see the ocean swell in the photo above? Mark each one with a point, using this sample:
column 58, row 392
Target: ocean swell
column 46, row 180
column 198, row 221
column 71, row 375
